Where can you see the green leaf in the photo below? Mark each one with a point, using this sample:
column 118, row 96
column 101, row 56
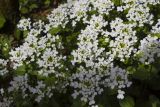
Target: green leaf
column 50, row 80
column 17, row 34
column 55, row 30
column 127, row 102
column 131, row 69
column 78, row 103
column 72, row 37
column 92, row 12
column 156, row 35
column 24, row 10
column 5, row 45
column 25, row 33
column 117, row 2
column 2, row 20
column 33, row 6
column 47, row 2
column 21, row 70
column 103, row 42
column 142, row 73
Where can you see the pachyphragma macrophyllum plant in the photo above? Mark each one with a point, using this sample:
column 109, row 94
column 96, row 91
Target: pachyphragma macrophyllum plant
column 86, row 45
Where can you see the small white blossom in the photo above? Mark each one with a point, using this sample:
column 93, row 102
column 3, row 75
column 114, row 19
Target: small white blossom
column 120, row 94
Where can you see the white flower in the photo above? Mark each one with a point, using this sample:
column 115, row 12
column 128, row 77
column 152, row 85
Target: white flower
column 120, row 94
column 120, row 8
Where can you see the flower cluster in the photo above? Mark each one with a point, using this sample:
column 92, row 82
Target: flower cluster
column 149, row 49
column 22, row 83
column 124, row 39
column 84, row 46
column 156, row 28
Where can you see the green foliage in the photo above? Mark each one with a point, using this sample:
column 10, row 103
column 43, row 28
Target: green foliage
column 30, row 6
column 78, row 103
column 27, row 6
column 24, row 10
column 142, row 72
column 156, row 35
column 55, row 30
column 17, row 34
column 117, row 2
column 2, row 20
column 127, row 102
column 21, row 70
column 5, row 45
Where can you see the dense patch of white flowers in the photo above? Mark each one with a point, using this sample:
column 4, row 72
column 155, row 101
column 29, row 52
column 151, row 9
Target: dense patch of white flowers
column 21, row 83
column 124, row 39
column 149, row 49
column 91, row 65
column 140, row 13
column 24, row 24
column 102, row 6
column 6, row 102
